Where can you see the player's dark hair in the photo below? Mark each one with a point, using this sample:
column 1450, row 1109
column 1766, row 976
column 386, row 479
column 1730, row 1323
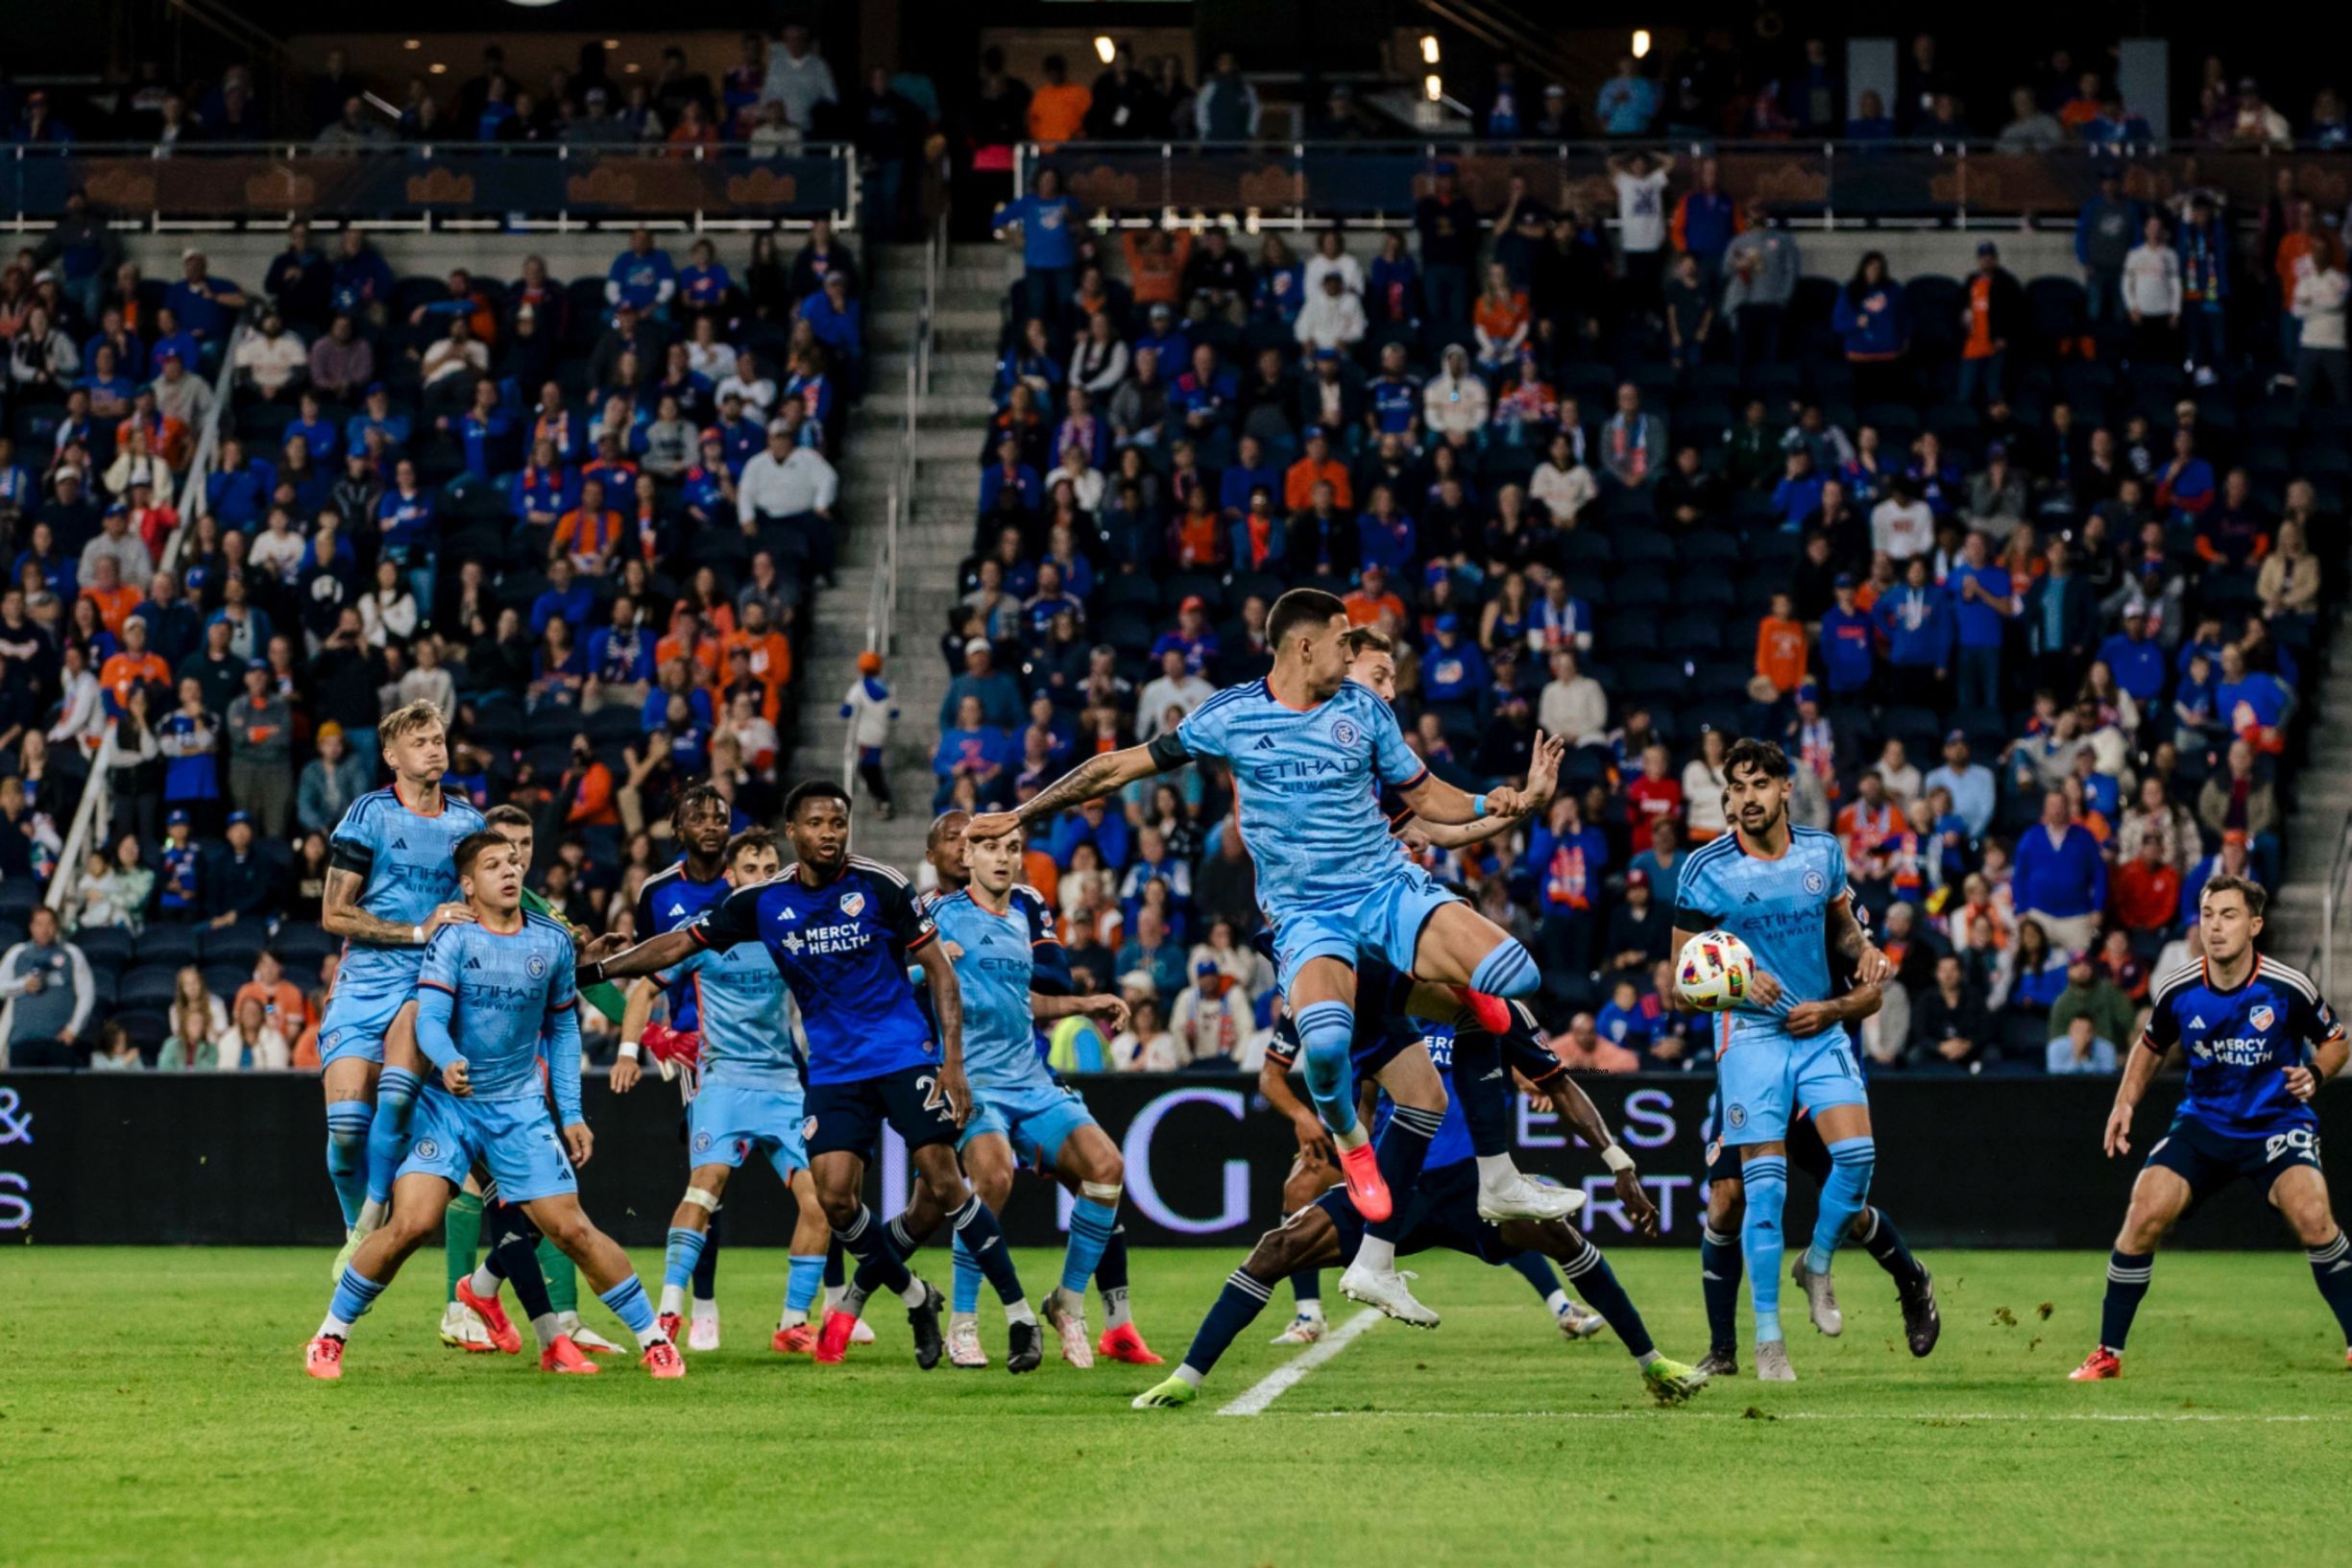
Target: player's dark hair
column 509, row 815
column 812, row 790
column 748, row 840
column 694, row 798
column 1766, row 758
column 470, row 847
column 1364, row 640
column 2256, row 900
column 938, row 824
column 1298, row 609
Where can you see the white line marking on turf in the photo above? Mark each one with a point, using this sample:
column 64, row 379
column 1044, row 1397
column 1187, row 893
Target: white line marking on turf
column 1293, row 1372
column 2218, row 1419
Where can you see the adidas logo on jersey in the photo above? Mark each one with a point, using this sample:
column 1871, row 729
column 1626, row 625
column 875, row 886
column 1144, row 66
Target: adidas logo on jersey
column 473, row 962
column 1753, row 899
column 790, row 913
column 400, row 843
column 2196, row 1024
column 677, row 908
column 1266, row 742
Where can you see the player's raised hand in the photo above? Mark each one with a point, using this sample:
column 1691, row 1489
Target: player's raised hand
column 1108, row 1011
column 604, row 947
column 580, row 1142
column 456, row 1080
column 1544, row 770
column 2118, row 1139
column 624, row 1075
column 448, row 914
column 1763, row 990
column 987, row 824
column 2302, row 1082
column 1635, row 1200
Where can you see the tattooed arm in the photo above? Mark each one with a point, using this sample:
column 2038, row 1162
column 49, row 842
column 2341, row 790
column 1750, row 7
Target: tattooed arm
column 342, row 916
column 1103, row 774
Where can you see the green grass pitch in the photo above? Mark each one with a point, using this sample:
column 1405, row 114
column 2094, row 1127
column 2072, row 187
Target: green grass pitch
column 153, row 1410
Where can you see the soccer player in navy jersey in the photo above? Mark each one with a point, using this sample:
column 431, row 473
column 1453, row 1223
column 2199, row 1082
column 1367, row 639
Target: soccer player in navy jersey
column 1309, row 750
column 389, row 890
column 495, row 1004
column 1783, row 890
column 842, row 930
column 2260, row 1040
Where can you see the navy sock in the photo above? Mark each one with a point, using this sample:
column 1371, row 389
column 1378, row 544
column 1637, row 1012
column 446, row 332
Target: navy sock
column 1537, row 1270
column 1597, row 1283
column 514, row 1257
column 346, row 1155
column 1237, row 1307
column 1307, row 1286
column 706, row 1264
column 2331, row 1268
column 1506, row 972
column 1483, row 1091
column 837, row 1273
column 1402, row 1150
column 1110, row 1279
column 2128, row 1275
column 396, row 1097
column 980, row 1233
column 1720, row 1267
column 1326, row 1031
column 1884, row 1242
column 878, row 1267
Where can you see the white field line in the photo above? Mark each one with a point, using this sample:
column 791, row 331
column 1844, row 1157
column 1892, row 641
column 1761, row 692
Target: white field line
column 2218, row 1419
column 1293, row 1372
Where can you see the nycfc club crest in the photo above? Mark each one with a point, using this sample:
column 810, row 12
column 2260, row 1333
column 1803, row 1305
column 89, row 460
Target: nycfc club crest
column 427, row 1149
column 1736, row 1116
column 2261, row 1017
column 1814, row 881
column 536, row 964
column 1344, row 731
column 702, row 1143
column 852, row 904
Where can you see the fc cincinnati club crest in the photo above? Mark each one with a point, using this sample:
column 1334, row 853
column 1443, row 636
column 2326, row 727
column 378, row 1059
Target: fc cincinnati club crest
column 1344, row 731
column 2261, row 1017
column 1814, row 881
column 852, row 904
column 807, row 1127
column 536, row 964
column 427, row 1149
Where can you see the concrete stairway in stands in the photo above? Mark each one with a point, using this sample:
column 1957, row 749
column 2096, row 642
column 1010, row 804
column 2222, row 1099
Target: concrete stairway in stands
column 935, row 530
column 2323, row 799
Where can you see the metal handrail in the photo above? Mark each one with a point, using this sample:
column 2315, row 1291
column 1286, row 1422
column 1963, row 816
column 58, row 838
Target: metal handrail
column 2328, row 901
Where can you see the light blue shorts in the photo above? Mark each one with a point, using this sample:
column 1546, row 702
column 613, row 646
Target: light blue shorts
column 1036, row 1118
column 1385, row 922
column 360, row 1016
column 726, row 1121
column 514, row 1140
column 1763, row 1073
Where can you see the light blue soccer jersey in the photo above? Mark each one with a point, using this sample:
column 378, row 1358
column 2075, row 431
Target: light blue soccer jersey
column 1309, row 784
column 406, row 862
column 746, row 1026
column 1778, row 906
column 490, row 997
column 1005, row 957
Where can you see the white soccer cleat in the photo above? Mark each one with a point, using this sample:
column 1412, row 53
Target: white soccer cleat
column 1386, row 1290
column 351, row 1250
column 1305, row 1328
column 1517, row 1197
column 702, row 1332
column 585, row 1337
column 1578, row 1321
column 1820, row 1297
column 461, row 1330
column 1066, row 1314
column 861, row 1333
column 963, row 1347
column 1772, row 1362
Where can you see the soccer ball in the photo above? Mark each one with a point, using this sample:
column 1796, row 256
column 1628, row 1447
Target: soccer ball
column 1714, row 971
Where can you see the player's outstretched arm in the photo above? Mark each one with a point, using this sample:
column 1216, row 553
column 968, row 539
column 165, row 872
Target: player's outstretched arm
column 1103, row 774
column 1542, row 782
column 610, row 958
column 341, row 915
column 1574, row 1106
column 1109, row 1010
column 2145, row 1057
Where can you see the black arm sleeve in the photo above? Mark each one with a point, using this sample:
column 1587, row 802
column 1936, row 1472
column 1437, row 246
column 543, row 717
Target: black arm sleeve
column 1168, row 752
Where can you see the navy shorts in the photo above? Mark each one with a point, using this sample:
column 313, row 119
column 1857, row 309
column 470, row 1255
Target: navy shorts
column 1807, row 1152
column 2209, row 1161
column 848, row 1117
column 1383, row 1032
column 1441, row 1216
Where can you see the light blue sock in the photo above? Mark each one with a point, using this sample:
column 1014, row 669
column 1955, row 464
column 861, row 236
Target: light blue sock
column 1766, row 1178
column 1506, row 972
column 967, row 1280
column 1090, row 1224
column 807, row 1274
column 354, row 1294
column 346, row 1155
column 395, row 1096
column 1326, row 1029
column 630, row 1305
column 685, row 1246
column 1842, row 1197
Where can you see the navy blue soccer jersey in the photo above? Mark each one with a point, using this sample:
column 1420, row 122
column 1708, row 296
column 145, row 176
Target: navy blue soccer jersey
column 407, row 865
column 2240, row 1043
column 1453, row 1144
column 665, row 900
column 842, row 946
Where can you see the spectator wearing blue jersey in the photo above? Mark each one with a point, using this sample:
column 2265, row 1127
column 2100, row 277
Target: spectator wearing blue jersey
column 2061, row 877
column 1627, row 102
column 1453, row 669
column 1875, row 325
column 1849, row 641
column 1797, row 494
column 972, row 748
column 1985, row 600
column 207, row 306
column 411, row 528
column 1917, row 619
column 641, row 278
column 837, row 321
column 377, row 414
column 567, row 598
column 2136, row 660
column 999, row 693
column 1386, row 537
column 1048, row 222
column 1971, row 786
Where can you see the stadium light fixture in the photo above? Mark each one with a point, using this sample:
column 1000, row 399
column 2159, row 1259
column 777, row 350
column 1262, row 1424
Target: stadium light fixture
column 1432, row 88
column 1104, row 50
column 1642, row 43
column 1429, row 48
column 531, row 5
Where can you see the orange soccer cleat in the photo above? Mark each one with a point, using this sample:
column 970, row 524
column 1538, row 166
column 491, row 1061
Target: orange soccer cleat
column 662, row 1360
column 493, row 1316
column 1125, row 1344
column 833, row 1344
column 563, row 1355
column 671, row 1323
column 2098, row 1366
column 1365, row 1188
column 1493, row 1013
column 323, row 1357
column 797, row 1341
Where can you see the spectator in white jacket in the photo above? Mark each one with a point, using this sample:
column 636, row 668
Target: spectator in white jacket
column 1454, row 403
column 869, row 710
column 81, row 718
column 2151, row 296
column 790, row 483
column 1333, row 318
column 2320, row 305
column 1331, row 256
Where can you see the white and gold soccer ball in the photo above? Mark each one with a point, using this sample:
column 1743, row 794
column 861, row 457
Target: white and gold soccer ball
column 1714, row 971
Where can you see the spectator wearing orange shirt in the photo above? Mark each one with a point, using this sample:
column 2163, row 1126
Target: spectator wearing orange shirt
column 770, row 656
column 115, row 598
column 1156, row 266
column 1371, row 600
column 2145, row 894
column 1992, row 312
column 1299, row 481
column 1779, row 645
column 134, row 666
column 1057, row 109
column 283, row 1006
column 687, row 640
column 587, row 789
column 589, row 535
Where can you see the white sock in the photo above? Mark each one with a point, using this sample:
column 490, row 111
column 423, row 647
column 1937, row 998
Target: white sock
column 705, row 1311
column 371, row 1216
column 1189, row 1375
column 1356, row 1137
column 1561, row 1303
column 1376, row 1255
column 961, row 1319
column 650, row 1335
column 335, row 1327
column 1496, row 1171
column 547, row 1328
column 673, row 1299
column 1018, row 1311
column 915, row 1294
column 484, row 1284
column 1315, row 1309
column 1115, row 1312
column 832, row 1295
column 1646, row 1360
column 794, row 1318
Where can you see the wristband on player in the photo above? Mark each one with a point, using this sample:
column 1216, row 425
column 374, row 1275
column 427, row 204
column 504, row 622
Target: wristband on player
column 628, row 1050
column 1478, row 806
column 418, row 932
column 1616, row 1159
column 591, row 974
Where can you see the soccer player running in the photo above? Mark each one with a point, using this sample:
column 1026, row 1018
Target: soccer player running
column 1014, row 975
column 2260, row 1041
column 1309, row 750
column 842, row 929
column 495, row 999
column 390, row 888
column 1783, row 890
column 1443, row 1212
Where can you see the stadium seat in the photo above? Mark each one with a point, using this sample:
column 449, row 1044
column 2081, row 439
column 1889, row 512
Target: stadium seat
column 1642, row 588
column 1706, row 591
column 238, row 944
column 1692, row 635
column 1621, row 635
column 223, row 980
column 150, row 985
column 106, row 947
column 165, row 943
column 301, row 946
column 146, row 1027
column 18, row 899
column 1919, row 729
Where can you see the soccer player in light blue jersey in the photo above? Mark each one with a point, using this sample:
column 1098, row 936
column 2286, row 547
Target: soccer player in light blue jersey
column 489, row 990
column 747, row 1101
column 1783, row 890
column 2260, row 1042
column 389, row 889
column 1015, row 976
column 1309, row 751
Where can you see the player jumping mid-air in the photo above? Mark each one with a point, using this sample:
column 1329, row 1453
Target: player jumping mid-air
column 1783, row 890
column 2260, row 1041
column 495, row 999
